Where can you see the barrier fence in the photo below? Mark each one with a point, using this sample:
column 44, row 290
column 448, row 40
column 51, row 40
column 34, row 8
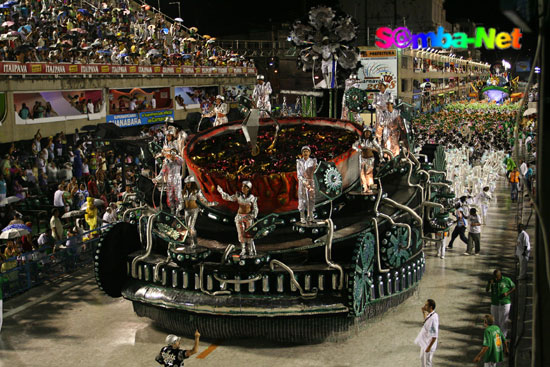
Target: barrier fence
column 33, row 268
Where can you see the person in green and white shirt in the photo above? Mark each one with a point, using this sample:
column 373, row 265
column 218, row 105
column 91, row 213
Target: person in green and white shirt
column 494, row 345
column 500, row 287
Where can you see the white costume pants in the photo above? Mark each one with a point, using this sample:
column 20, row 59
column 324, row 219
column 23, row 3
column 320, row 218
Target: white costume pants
column 500, row 314
column 1, row 315
column 523, row 260
column 426, row 358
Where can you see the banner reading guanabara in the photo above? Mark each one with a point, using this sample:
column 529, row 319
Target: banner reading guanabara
column 139, row 106
column 53, row 106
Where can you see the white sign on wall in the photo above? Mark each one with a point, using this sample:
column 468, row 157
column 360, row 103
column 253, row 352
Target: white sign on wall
column 377, row 66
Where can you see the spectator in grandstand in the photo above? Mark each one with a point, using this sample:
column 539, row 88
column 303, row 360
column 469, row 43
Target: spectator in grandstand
column 3, row 187
column 109, row 216
column 24, row 112
column 58, row 200
column 56, row 226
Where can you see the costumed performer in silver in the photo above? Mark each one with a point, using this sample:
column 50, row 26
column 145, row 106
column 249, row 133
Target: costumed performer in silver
column 219, row 111
column 380, row 104
column 191, row 194
column 329, row 63
column 170, row 137
column 367, row 144
column 171, row 175
column 390, row 129
column 260, row 96
column 305, row 169
column 181, row 141
column 247, row 213
column 351, row 82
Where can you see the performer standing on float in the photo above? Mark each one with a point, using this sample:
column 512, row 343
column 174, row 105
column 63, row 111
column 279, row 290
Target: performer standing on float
column 171, row 175
column 191, row 194
column 305, row 169
column 220, row 111
column 170, row 138
column 261, row 94
column 366, row 145
column 247, row 213
column 390, row 129
column 380, row 104
column 329, row 63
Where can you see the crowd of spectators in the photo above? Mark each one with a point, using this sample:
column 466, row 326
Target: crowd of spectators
column 113, row 32
column 56, row 174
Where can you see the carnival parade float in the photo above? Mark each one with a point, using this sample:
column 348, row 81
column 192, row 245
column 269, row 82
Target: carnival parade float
column 250, row 263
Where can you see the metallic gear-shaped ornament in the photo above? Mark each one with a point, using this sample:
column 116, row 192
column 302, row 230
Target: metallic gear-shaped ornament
column 360, row 279
column 395, row 250
column 329, row 179
column 356, row 99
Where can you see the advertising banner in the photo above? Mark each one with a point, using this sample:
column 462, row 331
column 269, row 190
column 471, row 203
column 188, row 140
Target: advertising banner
column 139, row 106
column 154, row 117
column 193, row 97
column 16, row 68
column 138, row 100
column 141, row 118
column 377, row 66
column 52, row 106
column 124, row 119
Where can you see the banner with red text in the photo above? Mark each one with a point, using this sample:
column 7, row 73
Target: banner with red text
column 16, row 68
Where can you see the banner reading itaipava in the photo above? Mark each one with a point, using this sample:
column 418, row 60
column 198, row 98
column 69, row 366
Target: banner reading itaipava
column 39, row 68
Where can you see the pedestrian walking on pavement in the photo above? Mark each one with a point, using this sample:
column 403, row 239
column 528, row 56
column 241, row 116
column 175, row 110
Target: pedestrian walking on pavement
column 523, row 250
column 494, row 344
column 500, row 287
column 460, row 228
column 427, row 337
column 514, row 182
column 474, row 233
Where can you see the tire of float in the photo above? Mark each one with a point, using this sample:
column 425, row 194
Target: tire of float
column 111, row 257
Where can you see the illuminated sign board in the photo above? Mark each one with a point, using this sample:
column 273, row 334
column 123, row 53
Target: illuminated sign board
column 402, row 37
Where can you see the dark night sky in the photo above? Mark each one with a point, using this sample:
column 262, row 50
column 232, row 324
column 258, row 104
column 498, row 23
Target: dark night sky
column 218, row 18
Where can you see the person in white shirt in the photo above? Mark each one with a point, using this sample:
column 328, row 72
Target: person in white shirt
column 90, row 107
column 427, row 337
column 474, row 233
column 109, row 216
column 153, row 102
column 523, row 250
column 133, row 104
column 58, row 201
column 483, row 199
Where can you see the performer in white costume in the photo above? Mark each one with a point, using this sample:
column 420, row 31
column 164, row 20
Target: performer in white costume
column 305, row 169
column 367, row 145
column 261, row 94
column 248, row 211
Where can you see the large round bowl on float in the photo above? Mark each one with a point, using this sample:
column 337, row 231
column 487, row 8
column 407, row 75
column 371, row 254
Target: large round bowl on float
column 220, row 157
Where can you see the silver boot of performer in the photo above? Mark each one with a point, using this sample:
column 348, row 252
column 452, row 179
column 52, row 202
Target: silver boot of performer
column 251, row 248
